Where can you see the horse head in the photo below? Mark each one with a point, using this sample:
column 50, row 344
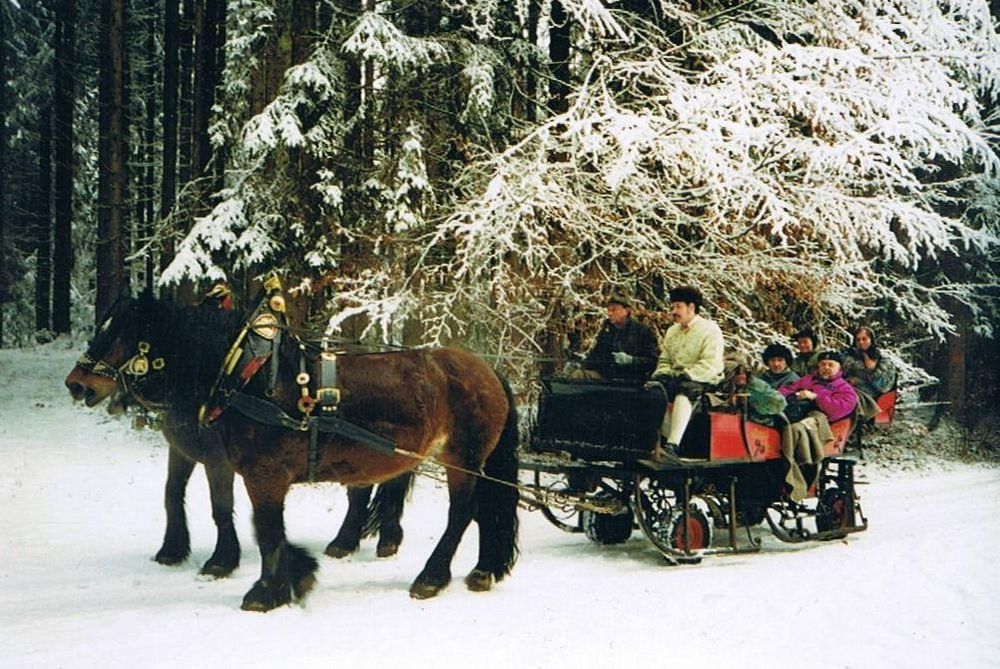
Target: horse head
column 125, row 357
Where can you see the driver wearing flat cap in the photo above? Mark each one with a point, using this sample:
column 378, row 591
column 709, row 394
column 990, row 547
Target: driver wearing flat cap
column 625, row 348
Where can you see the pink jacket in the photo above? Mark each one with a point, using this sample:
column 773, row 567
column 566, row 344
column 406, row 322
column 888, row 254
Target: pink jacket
column 836, row 397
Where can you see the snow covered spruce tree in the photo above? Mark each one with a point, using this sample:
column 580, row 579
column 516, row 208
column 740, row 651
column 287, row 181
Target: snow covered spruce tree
column 822, row 163
column 345, row 131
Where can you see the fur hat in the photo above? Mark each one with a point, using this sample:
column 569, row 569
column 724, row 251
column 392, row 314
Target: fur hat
column 807, row 333
column 777, row 351
column 688, row 294
column 617, row 297
column 830, row 355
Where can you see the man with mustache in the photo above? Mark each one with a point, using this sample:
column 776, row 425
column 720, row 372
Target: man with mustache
column 690, row 361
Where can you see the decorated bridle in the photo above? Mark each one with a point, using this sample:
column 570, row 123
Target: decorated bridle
column 131, row 374
column 135, row 372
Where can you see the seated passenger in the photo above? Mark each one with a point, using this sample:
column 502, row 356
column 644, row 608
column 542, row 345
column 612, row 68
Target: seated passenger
column 690, row 361
column 866, row 368
column 625, row 348
column 764, row 405
column 825, row 390
column 807, row 358
column 778, row 358
column 814, row 402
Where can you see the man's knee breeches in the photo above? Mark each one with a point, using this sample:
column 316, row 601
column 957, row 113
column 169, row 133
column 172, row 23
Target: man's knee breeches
column 676, row 385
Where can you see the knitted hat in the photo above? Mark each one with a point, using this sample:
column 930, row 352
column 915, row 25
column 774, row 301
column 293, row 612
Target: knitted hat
column 830, row 355
column 619, row 298
column 777, row 351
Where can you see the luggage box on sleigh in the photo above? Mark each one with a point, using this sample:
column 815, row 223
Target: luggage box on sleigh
column 598, row 420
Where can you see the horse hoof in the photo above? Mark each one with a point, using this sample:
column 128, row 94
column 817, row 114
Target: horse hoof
column 426, row 590
column 216, row 570
column 304, row 585
column 479, row 580
column 335, row 551
column 168, row 560
column 257, row 606
column 423, row 591
column 386, row 550
column 264, row 597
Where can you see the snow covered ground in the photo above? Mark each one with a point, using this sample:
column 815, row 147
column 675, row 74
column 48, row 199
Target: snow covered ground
column 81, row 511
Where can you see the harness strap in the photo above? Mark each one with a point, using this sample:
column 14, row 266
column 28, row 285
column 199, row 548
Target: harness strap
column 267, row 413
column 264, row 412
column 313, row 457
column 327, row 392
column 272, row 377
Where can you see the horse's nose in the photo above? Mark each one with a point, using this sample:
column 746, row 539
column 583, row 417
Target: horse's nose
column 90, row 397
column 76, row 390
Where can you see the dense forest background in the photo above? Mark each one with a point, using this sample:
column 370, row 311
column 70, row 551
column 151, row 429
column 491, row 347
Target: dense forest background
column 482, row 172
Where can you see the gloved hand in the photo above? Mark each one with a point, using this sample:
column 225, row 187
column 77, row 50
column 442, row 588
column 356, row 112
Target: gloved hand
column 649, row 385
column 623, row 358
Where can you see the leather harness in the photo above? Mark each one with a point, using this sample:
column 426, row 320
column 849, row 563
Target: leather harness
column 256, row 346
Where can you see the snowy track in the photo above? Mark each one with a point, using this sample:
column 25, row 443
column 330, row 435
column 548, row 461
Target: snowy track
column 81, row 508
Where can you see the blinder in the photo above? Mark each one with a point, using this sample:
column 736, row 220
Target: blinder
column 134, row 375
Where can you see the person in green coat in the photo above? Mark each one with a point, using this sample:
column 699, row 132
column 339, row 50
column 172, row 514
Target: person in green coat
column 807, row 359
column 764, row 405
column 778, row 359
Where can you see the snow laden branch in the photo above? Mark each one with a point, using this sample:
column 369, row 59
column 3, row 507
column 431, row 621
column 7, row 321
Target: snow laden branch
column 801, row 177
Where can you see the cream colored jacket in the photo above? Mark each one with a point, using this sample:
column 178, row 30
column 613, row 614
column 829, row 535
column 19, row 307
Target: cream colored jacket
column 695, row 350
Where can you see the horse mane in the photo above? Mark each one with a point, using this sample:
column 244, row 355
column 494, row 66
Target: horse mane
column 196, row 338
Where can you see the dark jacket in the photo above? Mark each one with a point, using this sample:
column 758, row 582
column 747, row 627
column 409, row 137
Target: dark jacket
column 779, row 379
column 635, row 339
column 805, row 363
column 875, row 381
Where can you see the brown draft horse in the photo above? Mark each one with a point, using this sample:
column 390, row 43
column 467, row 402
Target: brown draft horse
column 441, row 403
column 190, row 445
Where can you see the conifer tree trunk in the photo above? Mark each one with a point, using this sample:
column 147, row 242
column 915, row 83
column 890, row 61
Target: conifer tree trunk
column 220, row 156
column 168, row 176
column 64, row 103
column 368, row 95
column 147, row 185
column 559, row 47
column 303, row 29
column 5, row 97
column 184, row 136
column 956, row 374
column 207, row 13
column 530, row 77
column 43, row 223
column 112, row 178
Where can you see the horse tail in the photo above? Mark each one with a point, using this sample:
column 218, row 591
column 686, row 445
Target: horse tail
column 497, row 497
column 387, row 502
